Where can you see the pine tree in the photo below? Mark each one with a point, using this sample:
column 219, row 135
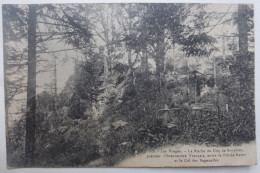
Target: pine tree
column 31, row 88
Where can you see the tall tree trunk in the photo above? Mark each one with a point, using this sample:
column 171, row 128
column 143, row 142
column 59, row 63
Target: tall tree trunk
column 55, row 86
column 159, row 73
column 188, row 78
column 31, row 89
column 215, row 72
column 159, row 59
column 242, row 28
column 243, row 46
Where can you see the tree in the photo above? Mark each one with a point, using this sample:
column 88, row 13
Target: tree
column 163, row 25
column 31, row 88
column 245, row 14
column 74, row 34
column 245, row 70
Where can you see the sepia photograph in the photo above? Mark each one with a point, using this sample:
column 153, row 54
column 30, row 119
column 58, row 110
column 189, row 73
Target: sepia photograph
column 129, row 85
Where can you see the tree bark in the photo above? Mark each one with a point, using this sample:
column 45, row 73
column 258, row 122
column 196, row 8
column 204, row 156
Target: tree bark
column 243, row 47
column 159, row 59
column 31, row 88
column 55, row 86
column 242, row 28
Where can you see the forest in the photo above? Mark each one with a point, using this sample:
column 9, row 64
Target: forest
column 88, row 85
